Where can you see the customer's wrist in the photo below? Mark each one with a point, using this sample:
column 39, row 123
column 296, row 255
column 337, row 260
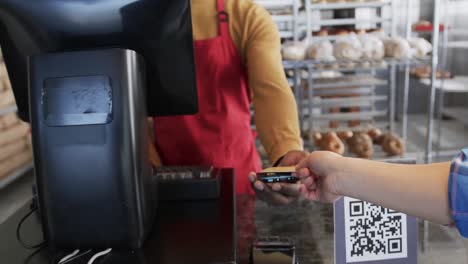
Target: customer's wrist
column 341, row 179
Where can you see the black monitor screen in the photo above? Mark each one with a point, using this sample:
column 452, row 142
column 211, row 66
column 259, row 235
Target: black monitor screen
column 159, row 30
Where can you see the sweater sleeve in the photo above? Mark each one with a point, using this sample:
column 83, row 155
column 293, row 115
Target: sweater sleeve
column 276, row 116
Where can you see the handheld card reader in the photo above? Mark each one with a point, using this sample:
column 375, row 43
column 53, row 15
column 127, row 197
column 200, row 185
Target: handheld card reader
column 278, row 174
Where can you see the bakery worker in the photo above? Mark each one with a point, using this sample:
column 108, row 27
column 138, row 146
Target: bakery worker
column 238, row 64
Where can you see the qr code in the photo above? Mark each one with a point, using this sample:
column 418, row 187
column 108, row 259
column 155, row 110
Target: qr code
column 373, row 232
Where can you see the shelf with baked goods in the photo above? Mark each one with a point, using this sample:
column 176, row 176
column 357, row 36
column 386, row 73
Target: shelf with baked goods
column 286, row 34
column 285, row 14
column 348, row 81
column 343, row 91
column 324, row 126
column 324, row 5
column 369, row 139
column 325, row 36
column 358, row 101
column 358, row 143
column 358, row 116
column 16, row 174
column 458, row 113
column 350, row 21
column 335, row 79
column 352, row 65
column 276, row 4
column 329, row 22
column 456, row 84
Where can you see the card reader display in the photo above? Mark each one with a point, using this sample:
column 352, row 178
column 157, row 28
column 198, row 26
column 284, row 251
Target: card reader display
column 80, row 100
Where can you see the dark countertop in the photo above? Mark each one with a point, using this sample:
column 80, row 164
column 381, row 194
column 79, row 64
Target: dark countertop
column 310, row 225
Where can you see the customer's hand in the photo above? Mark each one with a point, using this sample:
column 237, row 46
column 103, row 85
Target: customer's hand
column 280, row 193
column 276, row 193
column 320, row 174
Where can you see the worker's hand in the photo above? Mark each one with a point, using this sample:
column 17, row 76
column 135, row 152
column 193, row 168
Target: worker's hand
column 276, row 193
column 153, row 155
column 320, row 176
column 280, row 193
column 293, row 157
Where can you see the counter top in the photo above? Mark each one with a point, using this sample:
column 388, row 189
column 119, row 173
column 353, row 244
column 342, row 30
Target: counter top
column 309, row 224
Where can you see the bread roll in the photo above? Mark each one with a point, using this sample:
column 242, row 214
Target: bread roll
column 373, row 47
column 341, row 32
column 345, row 135
column 375, row 134
column 294, row 51
column 393, row 145
column 321, row 33
column 361, row 145
column 348, row 48
column 397, row 48
column 322, row 51
column 331, row 142
column 421, row 47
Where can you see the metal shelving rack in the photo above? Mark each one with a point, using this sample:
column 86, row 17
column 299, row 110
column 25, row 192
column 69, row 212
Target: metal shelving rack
column 307, row 98
column 458, row 85
column 287, row 23
column 302, row 21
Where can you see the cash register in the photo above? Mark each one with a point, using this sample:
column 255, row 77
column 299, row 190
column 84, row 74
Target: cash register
column 86, row 74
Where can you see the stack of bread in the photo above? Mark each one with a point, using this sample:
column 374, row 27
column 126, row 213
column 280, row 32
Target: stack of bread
column 15, row 146
column 361, row 144
column 357, row 48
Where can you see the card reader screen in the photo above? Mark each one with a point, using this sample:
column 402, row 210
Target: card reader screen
column 81, row 100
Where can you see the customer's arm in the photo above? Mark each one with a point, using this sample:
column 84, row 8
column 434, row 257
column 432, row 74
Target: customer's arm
column 419, row 190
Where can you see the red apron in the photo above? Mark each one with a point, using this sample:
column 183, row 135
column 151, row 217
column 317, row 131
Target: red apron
column 220, row 134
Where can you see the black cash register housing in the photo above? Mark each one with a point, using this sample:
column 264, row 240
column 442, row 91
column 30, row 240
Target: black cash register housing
column 90, row 66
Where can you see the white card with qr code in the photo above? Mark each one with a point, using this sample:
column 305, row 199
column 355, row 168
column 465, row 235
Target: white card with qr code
column 373, row 232
column 368, row 233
